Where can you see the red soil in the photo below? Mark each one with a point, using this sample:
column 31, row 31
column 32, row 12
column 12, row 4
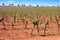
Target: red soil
column 20, row 33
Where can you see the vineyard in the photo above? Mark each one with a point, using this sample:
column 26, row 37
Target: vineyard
column 29, row 23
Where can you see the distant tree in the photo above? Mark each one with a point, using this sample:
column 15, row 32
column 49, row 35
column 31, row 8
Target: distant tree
column 29, row 5
column 22, row 4
column 52, row 6
column 11, row 4
column 37, row 5
column 58, row 6
column 3, row 4
column 18, row 5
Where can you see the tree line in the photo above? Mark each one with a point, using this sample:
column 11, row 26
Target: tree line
column 25, row 5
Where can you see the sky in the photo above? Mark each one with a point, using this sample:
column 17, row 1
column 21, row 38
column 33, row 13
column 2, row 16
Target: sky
column 31, row 2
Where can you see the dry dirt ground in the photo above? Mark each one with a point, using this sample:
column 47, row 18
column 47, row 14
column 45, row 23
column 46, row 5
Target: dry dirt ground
column 20, row 33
